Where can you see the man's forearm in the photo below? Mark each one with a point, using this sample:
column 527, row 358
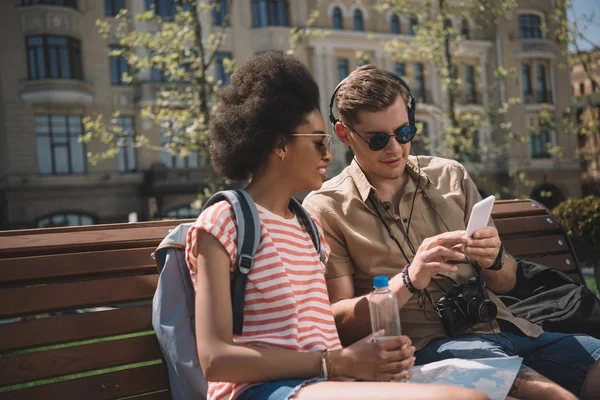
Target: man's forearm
column 352, row 316
column 504, row 280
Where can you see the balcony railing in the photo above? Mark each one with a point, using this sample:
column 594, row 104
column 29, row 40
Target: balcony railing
column 182, row 179
column 538, row 97
column 536, row 46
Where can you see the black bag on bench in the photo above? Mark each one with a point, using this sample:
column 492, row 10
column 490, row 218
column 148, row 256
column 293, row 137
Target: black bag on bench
column 550, row 299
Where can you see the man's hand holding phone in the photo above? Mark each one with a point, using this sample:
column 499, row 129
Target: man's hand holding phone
column 482, row 241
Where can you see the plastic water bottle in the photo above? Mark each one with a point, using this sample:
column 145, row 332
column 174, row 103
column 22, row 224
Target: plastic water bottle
column 383, row 307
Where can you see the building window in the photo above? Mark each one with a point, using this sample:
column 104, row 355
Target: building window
column 167, row 9
column 64, row 3
column 342, row 67
column 219, row 12
column 581, row 88
column 400, row 69
column 420, row 83
column 471, row 89
column 183, row 212
column 58, row 148
column 395, row 24
column 176, row 160
column 118, row 66
column 530, row 26
column 542, row 90
column 65, row 219
column 269, row 13
column 526, row 79
column 221, row 74
column 465, row 31
column 594, row 86
column 538, row 144
column 414, row 21
column 338, row 18
column 112, row 8
column 359, row 23
column 55, row 57
column 127, row 151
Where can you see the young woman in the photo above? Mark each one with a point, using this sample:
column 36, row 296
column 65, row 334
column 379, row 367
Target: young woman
column 268, row 127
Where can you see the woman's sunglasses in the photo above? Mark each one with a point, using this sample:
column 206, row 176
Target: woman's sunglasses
column 379, row 140
column 324, row 146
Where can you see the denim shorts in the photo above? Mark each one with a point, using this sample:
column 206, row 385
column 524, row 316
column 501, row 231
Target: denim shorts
column 276, row 390
column 561, row 357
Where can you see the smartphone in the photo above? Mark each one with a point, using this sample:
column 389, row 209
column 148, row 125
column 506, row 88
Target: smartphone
column 480, row 215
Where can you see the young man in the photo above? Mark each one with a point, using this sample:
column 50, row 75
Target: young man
column 426, row 203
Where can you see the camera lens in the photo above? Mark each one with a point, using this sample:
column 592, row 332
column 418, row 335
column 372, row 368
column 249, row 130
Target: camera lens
column 487, row 311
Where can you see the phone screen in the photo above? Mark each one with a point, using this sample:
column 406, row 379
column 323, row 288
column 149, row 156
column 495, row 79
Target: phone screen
column 480, row 215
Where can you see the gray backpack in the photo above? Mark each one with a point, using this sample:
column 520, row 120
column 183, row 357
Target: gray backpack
column 173, row 313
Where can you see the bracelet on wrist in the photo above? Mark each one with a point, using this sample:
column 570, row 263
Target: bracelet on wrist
column 325, row 372
column 407, row 282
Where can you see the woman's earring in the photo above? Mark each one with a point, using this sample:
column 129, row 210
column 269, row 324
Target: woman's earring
column 282, row 157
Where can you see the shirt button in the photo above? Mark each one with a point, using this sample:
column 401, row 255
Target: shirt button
column 387, row 206
column 405, row 220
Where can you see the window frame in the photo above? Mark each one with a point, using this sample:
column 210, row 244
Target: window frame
column 113, row 10
column 220, row 69
column 123, row 151
column 470, row 85
column 542, row 92
column 219, row 16
column 535, row 150
column 343, row 63
column 171, row 161
column 166, row 16
column 48, row 51
column 530, row 25
column 419, row 74
column 337, row 16
column 395, row 22
column 32, row 3
column 358, row 20
column 65, row 214
column 54, row 144
column 118, row 60
column 266, row 13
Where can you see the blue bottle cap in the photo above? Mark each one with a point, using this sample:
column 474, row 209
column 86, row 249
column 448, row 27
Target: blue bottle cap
column 380, row 282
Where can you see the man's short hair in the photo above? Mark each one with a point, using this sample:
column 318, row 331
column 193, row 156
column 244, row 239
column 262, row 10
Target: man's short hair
column 370, row 89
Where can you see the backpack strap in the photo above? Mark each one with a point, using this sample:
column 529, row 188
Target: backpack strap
column 248, row 238
column 310, row 225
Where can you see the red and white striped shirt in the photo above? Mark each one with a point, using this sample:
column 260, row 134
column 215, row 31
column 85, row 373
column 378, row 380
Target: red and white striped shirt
column 286, row 304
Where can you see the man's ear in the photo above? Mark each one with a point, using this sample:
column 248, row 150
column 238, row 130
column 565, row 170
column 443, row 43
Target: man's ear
column 342, row 133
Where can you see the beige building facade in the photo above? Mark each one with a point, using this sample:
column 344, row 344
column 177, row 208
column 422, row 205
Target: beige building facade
column 586, row 92
column 55, row 70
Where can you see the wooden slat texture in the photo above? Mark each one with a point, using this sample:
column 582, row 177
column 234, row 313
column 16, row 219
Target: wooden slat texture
column 70, row 328
column 88, row 228
column 524, row 247
column 516, row 209
column 53, row 363
column 526, row 225
column 562, row 261
column 28, row 270
column 71, row 242
column 65, row 296
column 112, row 385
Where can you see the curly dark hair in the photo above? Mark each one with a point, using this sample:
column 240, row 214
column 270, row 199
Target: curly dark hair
column 267, row 98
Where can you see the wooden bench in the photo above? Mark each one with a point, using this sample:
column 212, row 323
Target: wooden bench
column 53, row 347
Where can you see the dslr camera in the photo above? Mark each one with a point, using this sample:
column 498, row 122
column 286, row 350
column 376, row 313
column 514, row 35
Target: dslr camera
column 465, row 305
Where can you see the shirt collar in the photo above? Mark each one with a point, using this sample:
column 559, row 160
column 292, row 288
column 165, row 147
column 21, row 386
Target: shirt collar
column 364, row 186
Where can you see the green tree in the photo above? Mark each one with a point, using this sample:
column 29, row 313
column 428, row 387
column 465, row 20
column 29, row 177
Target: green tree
column 181, row 52
column 581, row 219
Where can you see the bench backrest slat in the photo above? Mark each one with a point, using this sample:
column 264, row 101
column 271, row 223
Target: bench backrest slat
column 112, row 385
column 41, row 269
column 86, row 357
column 72, row 328
column 536, row 245
column 537, row 224
column 71, row 296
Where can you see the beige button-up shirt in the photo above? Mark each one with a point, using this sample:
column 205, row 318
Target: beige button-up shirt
column 361, row 246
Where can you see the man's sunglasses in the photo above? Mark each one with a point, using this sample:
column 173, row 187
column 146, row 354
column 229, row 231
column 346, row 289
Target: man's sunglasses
column 380, row 140
column 324, row 146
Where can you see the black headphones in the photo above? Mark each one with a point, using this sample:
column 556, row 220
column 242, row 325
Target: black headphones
column 410, row 108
